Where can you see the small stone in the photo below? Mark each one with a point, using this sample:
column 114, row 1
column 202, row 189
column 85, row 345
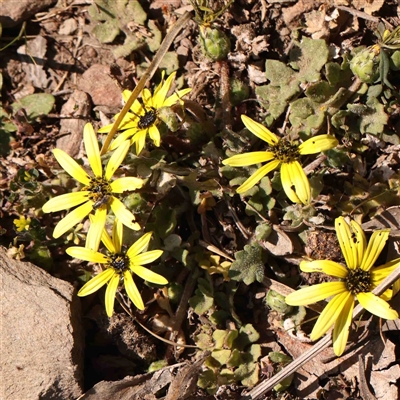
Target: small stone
column 14, row 12
column 68, row 27
column 101, row 87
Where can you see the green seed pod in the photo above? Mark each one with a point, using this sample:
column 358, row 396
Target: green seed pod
column 276, row 302
column 214, row 43
column 365, row 63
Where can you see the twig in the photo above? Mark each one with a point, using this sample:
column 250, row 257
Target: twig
column 146, row 76
column 121, row 301
column 359, row 14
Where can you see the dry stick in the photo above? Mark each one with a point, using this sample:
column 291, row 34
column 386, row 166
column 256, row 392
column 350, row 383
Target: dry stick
column 268, row 385
column 146, row 76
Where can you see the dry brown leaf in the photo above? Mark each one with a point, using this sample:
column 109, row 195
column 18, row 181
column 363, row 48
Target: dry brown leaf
column 369, row 6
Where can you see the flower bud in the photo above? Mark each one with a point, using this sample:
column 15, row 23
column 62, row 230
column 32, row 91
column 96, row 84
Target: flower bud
column 365, row 63
column 214, row 43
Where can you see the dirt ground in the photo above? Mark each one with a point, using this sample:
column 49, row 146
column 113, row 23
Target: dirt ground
column 82, row 58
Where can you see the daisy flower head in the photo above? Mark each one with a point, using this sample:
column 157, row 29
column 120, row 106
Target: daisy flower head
column 356, row 281
column 282, row 154
column 120, row 265
column 98, row 192
column 143, row 118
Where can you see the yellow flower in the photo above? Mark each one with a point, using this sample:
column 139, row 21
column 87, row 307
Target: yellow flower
column 97, row 194
column 119, row 266
column 284, row 154
column 22, row 223
column 356, row 282
column 144, row 119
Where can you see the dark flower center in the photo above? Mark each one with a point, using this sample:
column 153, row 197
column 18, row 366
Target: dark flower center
column 120, row 262
column 100, row 192
column 285, row 151
column 358, row 281
column 148, row 119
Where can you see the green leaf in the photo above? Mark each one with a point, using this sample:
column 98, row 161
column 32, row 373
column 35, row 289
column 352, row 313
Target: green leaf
column 395, row 61
column 208, row 380
column 35, row 105
column 248, row 266
column 219, row 336
column 204, row 341
column 203, row 299
column 221, row 355
column 106, row 32
column 309, row 58
column 375, row 119
column 170, row 62
column 333, row 73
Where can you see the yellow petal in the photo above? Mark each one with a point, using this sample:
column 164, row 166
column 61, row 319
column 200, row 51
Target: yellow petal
column 83, row 253
column 246, row 159
column 96, row 229
column 260, row 130
column 376, row 306
column 148, row 275
column 328, row 267
column 116, row 159
column 374, row 249
column 132, row 291
column 315, row 293
column 139, row 139
column 110, row 294
column 139, row 246
column 171, row 100
column 146, row 258
column 71, row 166
column 117, row 235
column 329, row 315
column 359, row 242
column 378, row 274
column 123, row 214
column 295, row 182
column 160, row 94
column 154, row 134
column 120, row 185
column 317, row 144
column 105, row 129
column 92, row 149
column 65, row 201
column 343, row 234
column 96, row 283
column 257, row 176
column 73, row 218
column 122, row 138
column 342, row 326
column 107, row 241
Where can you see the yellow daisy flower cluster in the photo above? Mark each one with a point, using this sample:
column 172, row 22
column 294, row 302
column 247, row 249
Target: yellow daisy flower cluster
column 98, row 194
column 143, row 118
column 357, row 280
column 281, row 154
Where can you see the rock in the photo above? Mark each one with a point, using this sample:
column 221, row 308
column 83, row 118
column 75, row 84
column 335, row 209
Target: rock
column 41, row 334
column 35, row 72
column 72, row 128
column 14, row 12
column 101, row 87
